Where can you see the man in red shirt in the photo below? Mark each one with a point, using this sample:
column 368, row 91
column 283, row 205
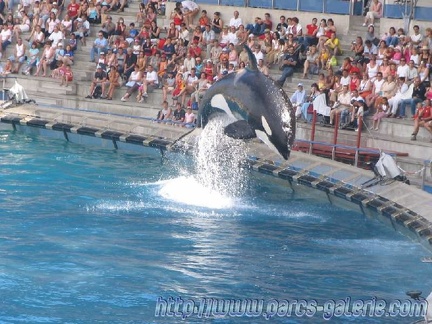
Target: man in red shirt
column 423, row 118
column 311, row 30
column 72, row 9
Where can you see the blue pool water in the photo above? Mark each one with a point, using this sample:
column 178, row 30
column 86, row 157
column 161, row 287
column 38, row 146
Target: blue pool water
column 97, row 236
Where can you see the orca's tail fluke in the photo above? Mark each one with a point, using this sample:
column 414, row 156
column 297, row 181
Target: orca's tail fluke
column 252, row 59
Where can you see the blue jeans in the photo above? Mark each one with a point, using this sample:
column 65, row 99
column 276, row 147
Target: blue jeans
column 305, row 115
column 412, row 102
column 392, row 40
column 286, row 72
column 95, row 51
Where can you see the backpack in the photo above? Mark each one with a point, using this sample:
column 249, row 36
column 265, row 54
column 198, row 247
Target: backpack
column 97, row 93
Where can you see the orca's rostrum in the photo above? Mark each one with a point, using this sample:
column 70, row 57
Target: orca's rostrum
column 259, row 107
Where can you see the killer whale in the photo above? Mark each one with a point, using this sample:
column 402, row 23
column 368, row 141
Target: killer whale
column 258, row 107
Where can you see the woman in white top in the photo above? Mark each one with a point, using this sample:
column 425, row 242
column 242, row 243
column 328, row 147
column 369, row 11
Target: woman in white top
column 365, row 86
column 66, row 25
column 372, row 69
column 184, row 34
column 133, row 84
column 51, row 22
column 423, row 72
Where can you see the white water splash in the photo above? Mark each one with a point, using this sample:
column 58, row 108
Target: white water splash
column 189, row 191
column 218, row 159
column 219, row 178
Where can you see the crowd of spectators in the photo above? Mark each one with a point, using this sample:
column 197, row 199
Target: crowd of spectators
column 186, row 57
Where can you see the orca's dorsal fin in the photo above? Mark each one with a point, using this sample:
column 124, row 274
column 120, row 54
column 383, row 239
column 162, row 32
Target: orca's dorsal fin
column 252, row 59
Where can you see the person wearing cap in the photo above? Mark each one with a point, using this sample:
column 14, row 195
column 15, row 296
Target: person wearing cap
column 99, row 45
column 298, row 98
column 99, row 79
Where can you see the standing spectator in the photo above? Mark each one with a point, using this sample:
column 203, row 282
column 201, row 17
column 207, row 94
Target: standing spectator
column 99, row 45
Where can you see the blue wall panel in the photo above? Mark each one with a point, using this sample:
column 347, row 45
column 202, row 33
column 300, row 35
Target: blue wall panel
column 237, row 3
column 285, row 4
column 260, row 3
column 393, row 11
column 423, row 13
column 210, row 2
column 311, row 5
column 337, row 7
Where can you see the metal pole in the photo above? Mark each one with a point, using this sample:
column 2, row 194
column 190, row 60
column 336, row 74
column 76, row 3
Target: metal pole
column 312, row 137
column 335, row 135
column 298, row 5
column 425, row 163
column 360, row 126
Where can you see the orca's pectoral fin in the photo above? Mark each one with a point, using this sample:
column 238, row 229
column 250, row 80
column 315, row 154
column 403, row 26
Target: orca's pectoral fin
column 240, row 130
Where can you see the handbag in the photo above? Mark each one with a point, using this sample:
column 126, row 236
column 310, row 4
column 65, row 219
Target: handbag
column 310, row 108
column 130, row 84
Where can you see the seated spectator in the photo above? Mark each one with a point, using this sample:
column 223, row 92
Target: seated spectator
column 204, row 21
column 113, row 81
column 370, row 36
column 46, row 58
column 235, row 21
column 190, row 10
column 165, row 112
column 422, row 118
column 391, row 38
column 130, row 60
column 375, row 12
column 343, row 103
column 424, row 72
column 19, row 55
column 189, row 117
column 179, row 113
column 358, row 48
column 134, row 82
column 376, row 89
column 93, row 13
column 150, row 82
column 418, row 95
column 179, row 87
column 382, row 111
column 401, row 93
column 289, row 63
column 99, row 79
column 256, row 29
column 36, row 36
column 108, row 28
column 100, row 44
column 298, row 98
column 5, row 38
column 66, row 25
column 262, row 67
column 203, row 85
column 306, row 107
column 217, row 23
column 32, row 60
column 333, row 44
column 82, row 29
column 23, row 27
column 67, row 76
